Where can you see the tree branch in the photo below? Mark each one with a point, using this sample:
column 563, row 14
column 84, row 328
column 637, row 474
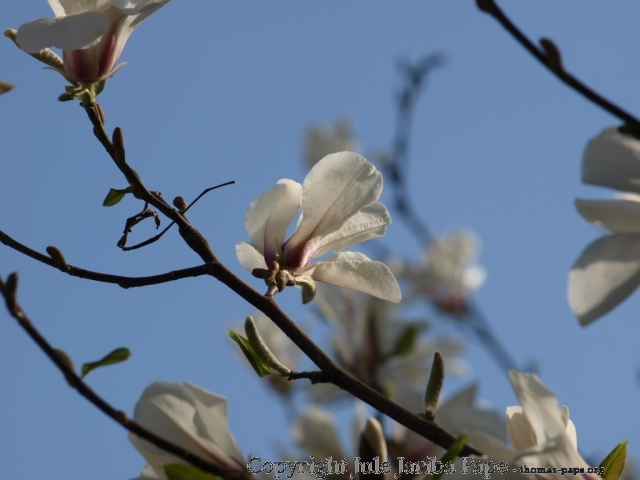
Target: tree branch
column 124, row 282
column 8, row 291
column 549, row 56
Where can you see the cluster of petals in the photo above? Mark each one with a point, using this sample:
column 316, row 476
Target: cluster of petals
column 608, row 270
column 339, row 207
column 91, row 33
column 187, row 416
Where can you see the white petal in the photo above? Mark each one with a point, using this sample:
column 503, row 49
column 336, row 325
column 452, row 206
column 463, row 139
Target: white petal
column 68, row 33
column 370, row 222
column 249, row 257
column 335, row 189
column 275, row 209
column 134, row 15
column 357, row 272
column 519, row 429
column 606, row 273
column 570, row 430
column 612, row 160
column 619, row 216
column 315, row 432
column 73, row 7
column 167, row 409
column 212, row 412
column 171, row 411
column 539, row 404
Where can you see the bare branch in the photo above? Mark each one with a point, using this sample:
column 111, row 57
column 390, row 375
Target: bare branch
column 8, row 291
column 550, row 57
column 124, row 282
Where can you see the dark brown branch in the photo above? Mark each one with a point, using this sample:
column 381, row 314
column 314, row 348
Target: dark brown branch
column 196, row 241
column 8, row 291
column 124, row 282
column 549, row 56
column 314, row 377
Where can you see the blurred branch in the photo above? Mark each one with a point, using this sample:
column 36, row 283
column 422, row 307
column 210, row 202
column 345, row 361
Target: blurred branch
column 196, row 241
column 549, row 56
column 124, row 282
column 415, row 77
column 8, row 291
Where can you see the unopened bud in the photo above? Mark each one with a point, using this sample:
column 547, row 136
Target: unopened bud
column 180, row 203
column 12, row 283
column 100, row 113
column 373, row 445
column 58, row 258
column 553, row 55
column 261, row 348
column 434, row 386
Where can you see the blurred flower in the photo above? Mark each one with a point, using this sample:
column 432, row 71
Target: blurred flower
column 339, row 209
column 92, row 34
column 189, row 417
column 541, row 433
column 448, row 272
column 321, row 141
column 315, row 432
column 458, row 414
column 377, row 347
column 608, row 270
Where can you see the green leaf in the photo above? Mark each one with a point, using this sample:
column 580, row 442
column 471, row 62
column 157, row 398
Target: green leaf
column 258, row 364
column 100, row 86
column 117, row 356
column 114, row 196
column 614, row 463
column 407, row 339
column 453, row 452
column 178, row 471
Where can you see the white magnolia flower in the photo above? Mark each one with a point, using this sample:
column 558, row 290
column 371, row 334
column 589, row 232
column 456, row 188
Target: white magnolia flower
column 189, row 417
column 323, row 141
column 540, row 431
column 339, row 209
column 448, row 272
column 608, row 270
column 92, row 34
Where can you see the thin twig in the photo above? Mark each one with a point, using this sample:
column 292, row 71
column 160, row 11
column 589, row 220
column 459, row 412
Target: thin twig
column 8, row 291
column 124, row 282
column 549, row 56
column 151, row 240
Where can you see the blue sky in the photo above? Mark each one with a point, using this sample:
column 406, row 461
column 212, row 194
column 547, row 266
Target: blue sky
column 218, row 91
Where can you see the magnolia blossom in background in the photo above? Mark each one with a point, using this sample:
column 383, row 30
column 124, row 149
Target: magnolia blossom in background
column 339, row 209
column 448, row 272
column 92, row 34
column 189, row 417
column 365, row 341
column 540, row 431
column 608, row 270
column 321, row 141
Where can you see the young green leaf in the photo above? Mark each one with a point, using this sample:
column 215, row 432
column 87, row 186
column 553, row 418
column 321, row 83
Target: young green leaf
column 407, row 339
column 258, row 364
column 614, row 463
column 114, row 196
column 117, row 356
column 177, row 471
column 453, row 452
